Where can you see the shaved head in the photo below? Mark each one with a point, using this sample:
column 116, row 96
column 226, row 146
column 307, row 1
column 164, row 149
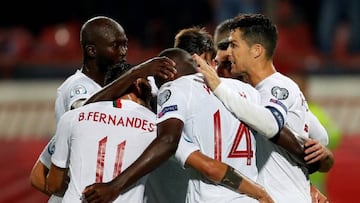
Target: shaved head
column 184, row 62
column 185, row 65
column 98, row 28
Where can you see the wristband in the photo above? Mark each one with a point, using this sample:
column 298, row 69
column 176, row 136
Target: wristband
column 232, row 178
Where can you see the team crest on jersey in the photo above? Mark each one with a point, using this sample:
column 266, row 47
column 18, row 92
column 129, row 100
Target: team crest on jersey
column 280, row 93
column 77, row 90
column 163, row 97
column 167, row 109
column 51, row 147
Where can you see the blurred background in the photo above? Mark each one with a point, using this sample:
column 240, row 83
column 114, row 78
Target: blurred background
column 319, row 46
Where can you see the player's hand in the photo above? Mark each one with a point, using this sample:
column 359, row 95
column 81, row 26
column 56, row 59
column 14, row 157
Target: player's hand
column 317, row 196
column 210, row 76
column 160, row 66
column 99, row 193
column 314, row 151
column 266, row 199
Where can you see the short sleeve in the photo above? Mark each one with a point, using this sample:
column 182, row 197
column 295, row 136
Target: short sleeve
column 62, row 141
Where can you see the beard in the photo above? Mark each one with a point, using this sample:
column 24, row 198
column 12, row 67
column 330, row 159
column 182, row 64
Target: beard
column 116, row 71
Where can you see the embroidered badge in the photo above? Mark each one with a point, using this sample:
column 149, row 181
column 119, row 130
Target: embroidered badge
column 77, row 90
column 163, row 97
column 280, row 93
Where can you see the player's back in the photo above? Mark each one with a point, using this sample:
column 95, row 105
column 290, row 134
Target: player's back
column 104, row 141
column 214, row 129
column 75, row 87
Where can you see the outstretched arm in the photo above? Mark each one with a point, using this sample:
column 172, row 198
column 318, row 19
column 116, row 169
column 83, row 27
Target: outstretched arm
column 161, row 66
column 162, row 147
column 265, row 124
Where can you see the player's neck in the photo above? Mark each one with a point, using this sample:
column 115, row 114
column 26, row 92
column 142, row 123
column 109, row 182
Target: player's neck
column 261, row 73
column 134, row 98
column 93, row 74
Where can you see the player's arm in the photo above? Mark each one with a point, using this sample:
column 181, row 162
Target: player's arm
column 270, row 124
column 317, row 131
column 227, row 176
column 319, row 156
column 315, row 147
column 286, row 138
column 161, row 66
column 312, row 154
column 161, row 148
column 56, row 181
column 317, row 196
column 189, row 155
column 57, row 178
column 267, row 124
column 38, row 177
column 41, row 168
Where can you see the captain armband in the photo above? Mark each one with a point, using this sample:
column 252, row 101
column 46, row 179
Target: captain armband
column 278, row 117
column 232, row 178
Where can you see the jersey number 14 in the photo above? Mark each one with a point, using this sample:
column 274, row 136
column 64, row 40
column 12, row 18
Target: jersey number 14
column 242, row 132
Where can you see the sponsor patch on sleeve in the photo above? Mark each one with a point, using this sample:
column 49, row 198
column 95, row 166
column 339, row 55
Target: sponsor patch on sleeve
column 77, row 90
column 167, row 109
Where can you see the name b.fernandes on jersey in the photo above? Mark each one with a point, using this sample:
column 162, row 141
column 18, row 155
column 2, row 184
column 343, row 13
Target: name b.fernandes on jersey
column 124, row 121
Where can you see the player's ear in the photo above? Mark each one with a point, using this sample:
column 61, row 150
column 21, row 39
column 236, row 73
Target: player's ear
column 213, row 63
column 257, row 50
column 90, row 50
column 137, row 84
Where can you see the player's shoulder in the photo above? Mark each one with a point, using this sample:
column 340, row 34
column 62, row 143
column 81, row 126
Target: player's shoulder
column 231, row 81
column 71, row 77
column 92, row 107
column 136, row 108
column 77, row 78
column 279, row 86
column 276, row 82
column 69, row 116
column 240, row 85
column 280, row 79
column 182, row 82
column 78, row 84
column 190, row 79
